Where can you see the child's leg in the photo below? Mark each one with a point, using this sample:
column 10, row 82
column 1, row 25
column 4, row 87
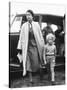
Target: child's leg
column 52, row 68
column 52, row 74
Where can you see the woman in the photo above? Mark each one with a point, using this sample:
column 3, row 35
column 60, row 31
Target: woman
column 31, row 43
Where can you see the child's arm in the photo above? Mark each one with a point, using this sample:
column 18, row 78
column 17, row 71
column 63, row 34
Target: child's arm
column 54, row 53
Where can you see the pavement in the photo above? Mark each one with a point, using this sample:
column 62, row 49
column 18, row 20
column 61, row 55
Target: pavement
column 18, row 81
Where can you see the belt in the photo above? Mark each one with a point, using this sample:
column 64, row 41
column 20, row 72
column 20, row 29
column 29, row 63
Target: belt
column 50, row 55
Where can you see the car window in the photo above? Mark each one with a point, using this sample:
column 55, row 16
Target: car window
column 43, row 25
column 53, row 26
column 16, row 24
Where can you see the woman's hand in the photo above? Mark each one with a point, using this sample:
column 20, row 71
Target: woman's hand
column 20, row 57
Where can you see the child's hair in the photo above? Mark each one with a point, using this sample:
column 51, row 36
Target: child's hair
column 50, row 35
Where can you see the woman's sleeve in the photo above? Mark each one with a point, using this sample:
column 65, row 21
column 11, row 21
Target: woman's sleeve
column 41, row 36
column 44, row 54
column 21, row 38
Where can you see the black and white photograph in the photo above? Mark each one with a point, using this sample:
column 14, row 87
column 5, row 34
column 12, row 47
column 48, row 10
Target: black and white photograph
column 36, row 44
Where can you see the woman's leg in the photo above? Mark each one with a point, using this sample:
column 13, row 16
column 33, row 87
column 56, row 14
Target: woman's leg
column 48, row 67
column 49, row 71
column 30, row 76
column 41, row 74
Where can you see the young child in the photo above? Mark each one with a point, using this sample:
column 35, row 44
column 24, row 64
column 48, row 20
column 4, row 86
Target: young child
column 49, row 56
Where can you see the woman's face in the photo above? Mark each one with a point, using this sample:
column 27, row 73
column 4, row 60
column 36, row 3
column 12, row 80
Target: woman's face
column 29, row 16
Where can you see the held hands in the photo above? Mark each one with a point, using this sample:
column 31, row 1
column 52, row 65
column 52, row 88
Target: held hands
column 44, row 64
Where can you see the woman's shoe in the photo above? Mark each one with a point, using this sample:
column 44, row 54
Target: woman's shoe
column 31, row 80
column 53, row 83
column 30, row 77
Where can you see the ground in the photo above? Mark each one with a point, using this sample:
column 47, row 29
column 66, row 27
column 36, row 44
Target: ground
column 18, row 81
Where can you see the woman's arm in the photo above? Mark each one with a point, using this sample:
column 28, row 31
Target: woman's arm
column 20, row 44
column 44, row 54
column 41, row 36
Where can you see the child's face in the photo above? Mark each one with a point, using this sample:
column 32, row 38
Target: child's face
column 50, row 41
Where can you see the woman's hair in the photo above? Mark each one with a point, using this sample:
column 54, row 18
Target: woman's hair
column 30, row 11
column 50, row 35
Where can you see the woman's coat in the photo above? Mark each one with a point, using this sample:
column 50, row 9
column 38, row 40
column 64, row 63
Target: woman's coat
column 23, row 40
